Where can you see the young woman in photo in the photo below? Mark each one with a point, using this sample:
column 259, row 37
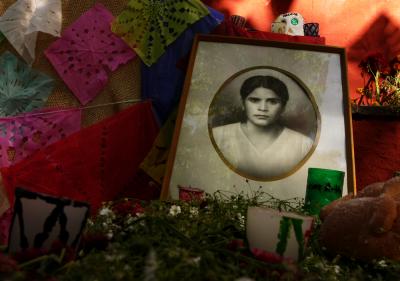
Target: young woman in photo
column 260, row 146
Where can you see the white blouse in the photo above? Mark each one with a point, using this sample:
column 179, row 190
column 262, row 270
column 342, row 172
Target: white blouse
column 273, row 161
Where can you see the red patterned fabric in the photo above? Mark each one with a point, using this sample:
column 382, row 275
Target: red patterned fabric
column 94, row 165
column 227, row 27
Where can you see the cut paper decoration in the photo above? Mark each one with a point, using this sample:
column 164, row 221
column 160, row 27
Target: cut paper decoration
column 94, row 165
column 162, row 82
column 284, row 234
column 41, row 221
column 22, row 88
column 21, row 22
column 87, row 51
column 22, row 135
column 149, row 26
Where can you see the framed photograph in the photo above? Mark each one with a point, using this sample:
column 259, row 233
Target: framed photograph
column 257, row 114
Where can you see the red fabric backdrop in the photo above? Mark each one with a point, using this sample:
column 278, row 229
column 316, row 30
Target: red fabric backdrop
column 94, row 165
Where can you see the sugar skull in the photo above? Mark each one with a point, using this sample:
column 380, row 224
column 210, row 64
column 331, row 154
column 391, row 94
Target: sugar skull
column 289, row 23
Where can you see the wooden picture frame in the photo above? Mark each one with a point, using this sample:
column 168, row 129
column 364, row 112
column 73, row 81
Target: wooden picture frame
column 216, row 145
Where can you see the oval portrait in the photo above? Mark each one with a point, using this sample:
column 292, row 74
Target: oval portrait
column 264, row 123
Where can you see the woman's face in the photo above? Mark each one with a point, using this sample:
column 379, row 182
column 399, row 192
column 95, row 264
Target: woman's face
column 263, row 107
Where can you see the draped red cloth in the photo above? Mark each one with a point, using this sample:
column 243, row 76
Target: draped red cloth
column 94, row 165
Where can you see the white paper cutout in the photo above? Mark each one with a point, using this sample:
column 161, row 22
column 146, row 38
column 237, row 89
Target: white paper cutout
column 264, row 232
column 289, row 23
column 21, row 22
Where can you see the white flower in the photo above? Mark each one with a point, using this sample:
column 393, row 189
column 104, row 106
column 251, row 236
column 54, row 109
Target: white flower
column 241, row 218
column 174, row 210
column 194, row 211
column 336, row 268
column 382, row 263
column 130, row 219
column 105, row 212
column 195, row 260
column 109, row 235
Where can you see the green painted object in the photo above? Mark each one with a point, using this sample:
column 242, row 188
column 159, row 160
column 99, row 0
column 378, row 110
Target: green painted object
column 150, row 26
column 323, row 187
column 284, row 235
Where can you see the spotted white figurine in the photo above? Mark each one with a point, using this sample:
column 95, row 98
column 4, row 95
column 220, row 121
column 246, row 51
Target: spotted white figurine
column 289, row 23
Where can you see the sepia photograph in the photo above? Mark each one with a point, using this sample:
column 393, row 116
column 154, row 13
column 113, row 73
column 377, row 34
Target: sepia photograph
column 263, row 123
column 257, row 114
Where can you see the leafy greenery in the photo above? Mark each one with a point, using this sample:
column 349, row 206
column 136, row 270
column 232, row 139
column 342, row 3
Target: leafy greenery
column 198, row 240
column 381, row 81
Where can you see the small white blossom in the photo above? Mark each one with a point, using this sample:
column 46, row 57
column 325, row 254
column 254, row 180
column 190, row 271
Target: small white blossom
column 130, row 219
column 174, row 210
column 109, row 235
column 194, row 211
column 195, row 261
column 106, row 212
column 241, row 219
column 382, row 263
column 127, row 267
column 337, row 269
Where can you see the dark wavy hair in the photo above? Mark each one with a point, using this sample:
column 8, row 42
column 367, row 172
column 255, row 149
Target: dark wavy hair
column 268, row 82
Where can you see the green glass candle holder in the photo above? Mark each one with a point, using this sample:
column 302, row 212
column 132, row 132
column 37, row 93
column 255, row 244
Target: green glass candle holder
column 323, row 187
